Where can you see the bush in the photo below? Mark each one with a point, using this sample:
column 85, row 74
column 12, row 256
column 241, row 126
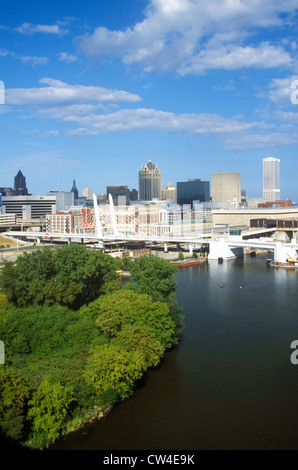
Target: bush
column 14, row 395
column 113, row 368
column 154, row 276
column 48, row 409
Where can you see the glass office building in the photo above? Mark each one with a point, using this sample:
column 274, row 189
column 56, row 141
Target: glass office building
column 193, row 190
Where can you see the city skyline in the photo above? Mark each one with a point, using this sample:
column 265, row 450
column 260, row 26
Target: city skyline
column 93, row 91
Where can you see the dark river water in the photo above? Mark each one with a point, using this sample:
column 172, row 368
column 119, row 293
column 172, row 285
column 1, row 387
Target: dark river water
column 230, row 383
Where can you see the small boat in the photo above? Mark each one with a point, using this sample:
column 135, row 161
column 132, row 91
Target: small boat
column 291, row 263
column 188, row 261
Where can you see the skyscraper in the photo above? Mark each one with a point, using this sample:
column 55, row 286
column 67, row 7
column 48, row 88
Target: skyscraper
column 87, row 192
column 75, row 190
column 226, row 187
column 193, row 190
column 20, row 188
column 120, row 195
column 149, row 182
column 271, row 179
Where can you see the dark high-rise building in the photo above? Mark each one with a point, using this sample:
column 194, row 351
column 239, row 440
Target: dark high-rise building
column 149, row 182
column 6, row 191
column 119, row 192
column 75, row 190
column 20, row 188
column 193, row 190
column 134, row 195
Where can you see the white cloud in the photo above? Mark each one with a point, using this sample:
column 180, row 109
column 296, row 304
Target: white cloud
column 235, row 57
column 178, row 34
column 38, row 132
column 60, row 93
column 90, row 110
column 29, row 28
column 256, row 141
column 232, row 133
column 66, row 57
column 159, row 121
column 279, row 91
column 4, row 52
column 50, row 133
column 34, row 60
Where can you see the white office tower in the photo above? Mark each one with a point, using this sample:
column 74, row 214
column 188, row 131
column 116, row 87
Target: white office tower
column 87, row 192
column 271, row 179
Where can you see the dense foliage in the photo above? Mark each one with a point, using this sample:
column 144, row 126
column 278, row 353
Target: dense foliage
column 70, row 355
column 154, row 276
column 71, row 276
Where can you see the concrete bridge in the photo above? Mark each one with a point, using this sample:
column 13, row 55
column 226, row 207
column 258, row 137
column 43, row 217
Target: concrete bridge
column 231, row 247
column 225, row 247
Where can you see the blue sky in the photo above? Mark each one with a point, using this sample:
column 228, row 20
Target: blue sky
column 95, row 89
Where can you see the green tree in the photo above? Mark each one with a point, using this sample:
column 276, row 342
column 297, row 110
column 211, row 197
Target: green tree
column 123, row 308
column 37, row 329
column 142, row 339
column 2, row 300
column 14, row 395
column 112, row 367
column 48, row 409
column 71, row 275
column 154, row 276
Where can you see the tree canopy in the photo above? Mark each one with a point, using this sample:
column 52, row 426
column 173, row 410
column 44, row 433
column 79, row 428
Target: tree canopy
column 70, row 275
column 154, row 276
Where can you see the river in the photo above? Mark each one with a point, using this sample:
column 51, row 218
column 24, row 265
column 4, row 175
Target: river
column 230, row 383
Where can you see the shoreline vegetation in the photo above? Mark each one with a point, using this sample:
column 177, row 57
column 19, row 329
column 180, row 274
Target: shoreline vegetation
column 77, row 339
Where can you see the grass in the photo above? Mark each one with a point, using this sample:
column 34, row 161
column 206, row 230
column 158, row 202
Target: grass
column 5, row 241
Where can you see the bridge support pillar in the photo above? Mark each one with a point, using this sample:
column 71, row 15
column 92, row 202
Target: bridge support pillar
column 190, row 249
column 284, row 251
column 165, row 247
column 221, row 249
column 98, row 223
